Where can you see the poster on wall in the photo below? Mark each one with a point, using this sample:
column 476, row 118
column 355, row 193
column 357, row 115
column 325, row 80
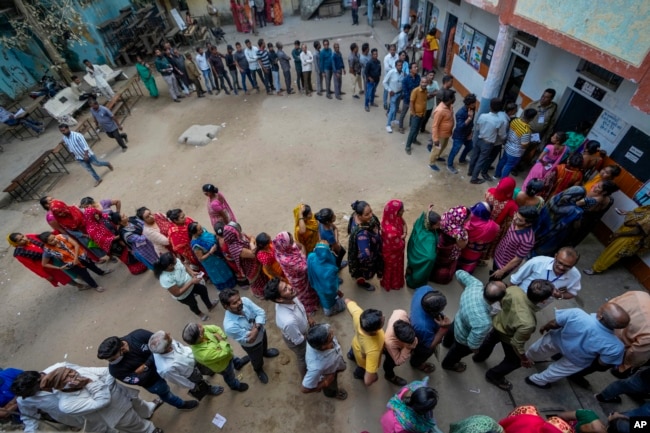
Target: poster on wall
column 433, row 21
column 465, row 45
column 478, row 46
column 642, row 196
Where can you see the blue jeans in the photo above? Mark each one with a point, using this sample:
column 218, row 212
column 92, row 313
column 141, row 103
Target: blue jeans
column 455, row 148
column 506, row 164
column 392, row 109
column 209, row 79
column 229, row 376
column 276, row 80
column 251, row 78
column 161, row 389
column 370, row 94
column 637, row 384
column 371, row 4
column 92, row 159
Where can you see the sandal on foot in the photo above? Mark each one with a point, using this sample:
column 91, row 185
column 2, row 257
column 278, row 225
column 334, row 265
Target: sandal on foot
column 590, row 271
column 99, row 289
column 503, row 384
column 427, row 368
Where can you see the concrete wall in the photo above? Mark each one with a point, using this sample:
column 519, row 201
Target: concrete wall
column 617, row 27
column 95, row 50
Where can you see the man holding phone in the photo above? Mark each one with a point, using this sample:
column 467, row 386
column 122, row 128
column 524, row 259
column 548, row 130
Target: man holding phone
column 430, row 325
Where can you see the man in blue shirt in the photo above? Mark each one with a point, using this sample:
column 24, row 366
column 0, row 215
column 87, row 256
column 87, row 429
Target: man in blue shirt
column 338, row 67
column 581, row 338
column 244, row 322
column 326, row 66
column 430, row 325
column 410, row 83
column 105, row 119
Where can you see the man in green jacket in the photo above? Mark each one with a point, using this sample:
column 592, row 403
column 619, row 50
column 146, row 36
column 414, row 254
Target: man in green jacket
column 211, row 348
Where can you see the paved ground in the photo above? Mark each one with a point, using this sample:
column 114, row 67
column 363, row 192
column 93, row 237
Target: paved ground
column 273, row 153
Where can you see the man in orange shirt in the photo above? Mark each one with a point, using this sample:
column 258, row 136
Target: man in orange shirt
column 418, row 107
column 442, row 126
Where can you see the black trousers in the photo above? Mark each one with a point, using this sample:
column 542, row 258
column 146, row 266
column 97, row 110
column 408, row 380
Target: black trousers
column 190, row 300
column 256, row 353
column 118, row 136
column 84, row 274
column 389, row 365
column 457, row 351
column 510, row 362
column 420, row 355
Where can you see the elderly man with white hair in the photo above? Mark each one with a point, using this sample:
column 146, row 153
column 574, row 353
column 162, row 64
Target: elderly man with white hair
column 175, row 362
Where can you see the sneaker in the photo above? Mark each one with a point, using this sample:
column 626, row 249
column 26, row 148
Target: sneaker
column 396, row 380
column 389, row 129
column 339, row 98
column 329, row 96
column 462, row 162
column 189, row 405
column 242, row 387
column 125, row 148
column 204, row 317
column 356, row 97
column 602, row 399
column 216, row 390
column 487, row 177
column 434, row 167
column 98, row 182
column 452, row 170
column 408, row 151
column 477, row 181
column 367, row 109
column 110, row 167
column 441, row 159
column 429, row 147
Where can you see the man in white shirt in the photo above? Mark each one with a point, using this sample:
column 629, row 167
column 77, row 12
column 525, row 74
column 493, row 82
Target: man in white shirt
column 253, row 63
column 403, row 38
column 559, row 270
column 175, row 363
column 490, row 128
column 324, row 363
column 393, row 85
column 204, row 66
column 100, row 79
column 389, row 63
column 77, row 145
column 290, row 317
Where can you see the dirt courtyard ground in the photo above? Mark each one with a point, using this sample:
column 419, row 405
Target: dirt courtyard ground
column 273, row 153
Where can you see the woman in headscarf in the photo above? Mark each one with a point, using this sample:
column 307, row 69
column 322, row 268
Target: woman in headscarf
column 364, row 245
column 451, row 240
column 278, row 16
column 241, row 253
column 323, row 277
column 563, row 176
column 207, row 251
column 422, row 249
column 632, row 238
column 550, row 157
column 529, row 196
column 28, row 250
column 102, row 231
column 305, row 227
column 411, row 410
column 265, row 254
column 476, row 424
column 558, row 217
column 597, row 201
column 218, row 207
column 155, row 228
column 503, row 209
column 130, row 230
column 527, row 419
column 70, row 220
column 64, row 249
column 146, row 75
column 481, row 232
column 328, row 232
column 179, row 238
column 294, row 266
column 393, row 240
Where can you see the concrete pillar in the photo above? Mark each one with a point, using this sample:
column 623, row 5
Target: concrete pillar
column 406, row 10
column 498, row 66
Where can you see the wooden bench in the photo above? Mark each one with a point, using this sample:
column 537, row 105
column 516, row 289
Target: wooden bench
column 37, row 179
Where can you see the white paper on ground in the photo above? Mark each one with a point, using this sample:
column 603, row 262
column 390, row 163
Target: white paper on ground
column 219, row 420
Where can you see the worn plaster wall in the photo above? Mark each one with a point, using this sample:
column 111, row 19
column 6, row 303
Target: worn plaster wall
column 95, row 50
column 617, row 27
column 20, row 70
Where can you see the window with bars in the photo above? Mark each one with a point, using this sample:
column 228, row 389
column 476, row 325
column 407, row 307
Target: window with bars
column 599, row 74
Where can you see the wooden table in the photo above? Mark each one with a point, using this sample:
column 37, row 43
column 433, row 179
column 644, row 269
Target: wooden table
column 38, row 178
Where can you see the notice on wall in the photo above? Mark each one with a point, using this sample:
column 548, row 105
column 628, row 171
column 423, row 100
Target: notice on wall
column 179, row 21
column 609, row 126
column 465, row 46
column 488, row 52
column 642, row 196
column 478, row 46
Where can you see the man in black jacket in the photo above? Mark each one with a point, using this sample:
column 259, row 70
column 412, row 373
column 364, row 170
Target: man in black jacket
column 130, row 361
column 373, row 75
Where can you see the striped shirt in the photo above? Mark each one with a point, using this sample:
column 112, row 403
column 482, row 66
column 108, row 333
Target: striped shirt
column 515, row 243
column 77, row 145
column 263, row 56
column 518, row 138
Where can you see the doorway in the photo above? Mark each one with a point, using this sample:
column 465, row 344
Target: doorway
column 515, row 74
column 577, row 109
column 448, row 41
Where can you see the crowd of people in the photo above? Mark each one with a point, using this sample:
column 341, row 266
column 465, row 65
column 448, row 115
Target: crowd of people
column 528, row 239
